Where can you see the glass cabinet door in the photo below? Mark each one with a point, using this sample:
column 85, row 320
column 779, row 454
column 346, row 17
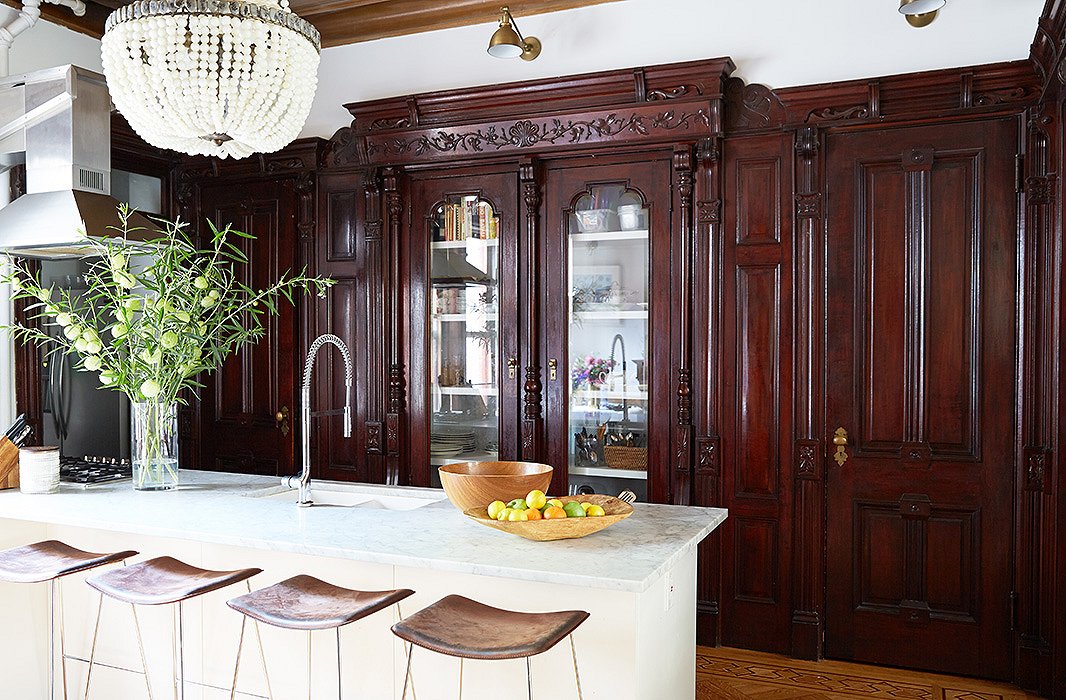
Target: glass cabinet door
column 608, row 347
column 464, row 332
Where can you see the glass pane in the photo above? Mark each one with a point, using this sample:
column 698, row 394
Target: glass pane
column 609, row 262
column 464, row 332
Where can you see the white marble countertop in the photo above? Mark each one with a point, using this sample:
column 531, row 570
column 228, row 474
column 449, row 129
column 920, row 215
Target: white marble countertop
column 216, row 507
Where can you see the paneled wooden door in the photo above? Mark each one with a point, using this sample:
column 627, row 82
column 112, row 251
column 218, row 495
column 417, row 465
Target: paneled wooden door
column 248, row 407
column 920, row 335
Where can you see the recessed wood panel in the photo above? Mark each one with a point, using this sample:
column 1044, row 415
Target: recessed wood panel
column 340, row 225
column 755, row 549
column 881, row 556
column 882, row 215
column 953, row 307
column 952, row 566
column 260, row 361
column 341, row 309
column 758, row 201
column 758, row 387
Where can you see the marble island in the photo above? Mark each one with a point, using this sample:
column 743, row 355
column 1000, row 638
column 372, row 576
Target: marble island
column 637, row 579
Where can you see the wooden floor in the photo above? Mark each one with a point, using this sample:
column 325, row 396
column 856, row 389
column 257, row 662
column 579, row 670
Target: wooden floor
column 734, row 674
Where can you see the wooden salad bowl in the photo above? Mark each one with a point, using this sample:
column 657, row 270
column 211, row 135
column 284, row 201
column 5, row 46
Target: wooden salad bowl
column 473, row 484
column 615, row 510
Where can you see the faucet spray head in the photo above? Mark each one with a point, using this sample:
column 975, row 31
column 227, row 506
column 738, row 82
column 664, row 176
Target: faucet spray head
column 348, row 411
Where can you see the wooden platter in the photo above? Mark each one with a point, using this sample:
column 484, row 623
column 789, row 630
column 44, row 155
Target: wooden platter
column 615, row 510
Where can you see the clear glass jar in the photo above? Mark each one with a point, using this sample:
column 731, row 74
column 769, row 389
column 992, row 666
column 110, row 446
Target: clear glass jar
column 154, row 443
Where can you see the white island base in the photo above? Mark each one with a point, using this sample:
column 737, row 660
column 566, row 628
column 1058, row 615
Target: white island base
column 638, row 644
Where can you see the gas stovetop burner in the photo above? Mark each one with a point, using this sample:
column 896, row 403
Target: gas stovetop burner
column 93, row 470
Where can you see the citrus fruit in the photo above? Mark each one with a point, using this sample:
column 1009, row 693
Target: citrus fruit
column 536, row 499
column 595, row 511
column 495, row 507
column 554, row 512
column 517, row 504
column 516, row 516
column 574, row 510
column 533, row 514
column 585, row 505
column 504, row 514
column 555, row 502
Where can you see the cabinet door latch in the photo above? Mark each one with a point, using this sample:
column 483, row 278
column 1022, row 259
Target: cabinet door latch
column 553, row 369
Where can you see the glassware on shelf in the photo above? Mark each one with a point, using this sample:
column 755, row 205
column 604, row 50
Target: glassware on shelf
column 464, row 339
column 609, row 262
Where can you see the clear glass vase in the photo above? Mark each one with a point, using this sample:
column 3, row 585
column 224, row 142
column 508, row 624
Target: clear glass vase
column 154, row 438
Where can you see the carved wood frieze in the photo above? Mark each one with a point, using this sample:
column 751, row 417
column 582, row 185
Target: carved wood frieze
column 642, row 123
column 672, row 93
column 344, row 149
column 752, row 106
column 709, row 212
column 832, row 114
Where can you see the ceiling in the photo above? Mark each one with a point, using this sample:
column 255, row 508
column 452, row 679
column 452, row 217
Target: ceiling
column 350, row 21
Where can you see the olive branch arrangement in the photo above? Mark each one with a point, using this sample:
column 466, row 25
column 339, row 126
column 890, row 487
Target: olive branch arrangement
column 156, row 313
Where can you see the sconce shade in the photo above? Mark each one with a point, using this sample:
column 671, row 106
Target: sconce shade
column 505, row 42
column 920, row 7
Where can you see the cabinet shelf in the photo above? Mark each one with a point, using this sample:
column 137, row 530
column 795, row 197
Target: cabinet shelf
column 467, row 317
column 472, row 457
column 465, row 390
column 628, row 395
column 641, row 235
column 610, row 315
column 610, row 473
column 458, row 245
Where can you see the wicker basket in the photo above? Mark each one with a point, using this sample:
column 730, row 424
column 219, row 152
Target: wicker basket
column 635, row 458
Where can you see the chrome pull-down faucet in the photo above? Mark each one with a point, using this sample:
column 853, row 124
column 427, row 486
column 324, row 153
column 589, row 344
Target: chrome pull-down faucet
column 302, row 481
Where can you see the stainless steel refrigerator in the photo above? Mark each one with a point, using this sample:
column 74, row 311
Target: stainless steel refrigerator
column 80, row 416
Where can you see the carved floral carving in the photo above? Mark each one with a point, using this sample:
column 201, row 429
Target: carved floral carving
column 832, row 114
column 527, row 133
column 1007, row 95
column 672, row 93
column 390, row 123
column 709, row 212
column 808, row 206
column 752, row 106
column 1039, row 189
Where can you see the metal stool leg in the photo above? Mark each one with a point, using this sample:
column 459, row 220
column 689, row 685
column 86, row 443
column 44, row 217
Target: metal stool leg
column 179, row 652
column 140, row 648
column 460, row 678
column 414, row 695
column 237, row 663
column 410, row 650
column 340, row 694
column 62, row 637
column 52, row 639
column 262, row 657
column 309, row 665
column 577, row 677
column 529, row 678
column 92, row 648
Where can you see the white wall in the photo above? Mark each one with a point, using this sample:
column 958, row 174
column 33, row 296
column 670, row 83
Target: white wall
column 775, row 42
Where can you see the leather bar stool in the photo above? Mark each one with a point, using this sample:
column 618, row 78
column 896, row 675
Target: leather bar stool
column 307, row 603
column 160, row 581
column 458, row 626
column 48, row 562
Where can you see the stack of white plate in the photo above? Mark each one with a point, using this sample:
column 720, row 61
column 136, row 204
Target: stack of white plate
column 39, row 469
column 451, row 443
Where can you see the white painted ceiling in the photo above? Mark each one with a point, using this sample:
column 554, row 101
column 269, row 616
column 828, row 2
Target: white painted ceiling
column 776, row 42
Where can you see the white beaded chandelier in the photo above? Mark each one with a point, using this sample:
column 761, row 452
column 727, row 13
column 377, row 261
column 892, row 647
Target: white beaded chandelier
column 212, row 77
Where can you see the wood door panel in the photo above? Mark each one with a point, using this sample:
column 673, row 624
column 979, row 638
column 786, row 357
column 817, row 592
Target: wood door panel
column 756, row 542
column 239, row 431
column 921, row 372
column 341, row 212
column 757, row 447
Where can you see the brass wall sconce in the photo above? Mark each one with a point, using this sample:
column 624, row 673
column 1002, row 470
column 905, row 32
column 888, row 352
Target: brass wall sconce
column 920, row 13
column 507, row 41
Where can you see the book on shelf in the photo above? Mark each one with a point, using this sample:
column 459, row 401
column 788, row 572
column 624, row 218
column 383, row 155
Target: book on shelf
column 469, row 219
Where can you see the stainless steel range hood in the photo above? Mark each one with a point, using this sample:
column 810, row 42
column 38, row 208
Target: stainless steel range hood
column 58, row 121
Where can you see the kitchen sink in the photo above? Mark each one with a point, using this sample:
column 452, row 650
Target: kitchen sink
column 359, row 496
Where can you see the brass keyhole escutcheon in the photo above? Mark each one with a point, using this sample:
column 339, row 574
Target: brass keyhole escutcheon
column 840, row 439
column 553, row 369
column 282, row 420
column 512, row 367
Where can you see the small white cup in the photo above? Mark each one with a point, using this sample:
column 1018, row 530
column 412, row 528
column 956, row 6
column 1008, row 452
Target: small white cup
column 39, row 469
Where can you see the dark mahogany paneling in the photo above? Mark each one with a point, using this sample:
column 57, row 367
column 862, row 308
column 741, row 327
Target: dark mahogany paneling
column 340, row 224
column 922, row 271
column 238, row 426
column 756, row 394
column 759, row 200
column 757, row 450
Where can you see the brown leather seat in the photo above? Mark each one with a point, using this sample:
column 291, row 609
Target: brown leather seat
column 306, row 603
column 164, row 580
column 458, row 626
column 44, row 561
